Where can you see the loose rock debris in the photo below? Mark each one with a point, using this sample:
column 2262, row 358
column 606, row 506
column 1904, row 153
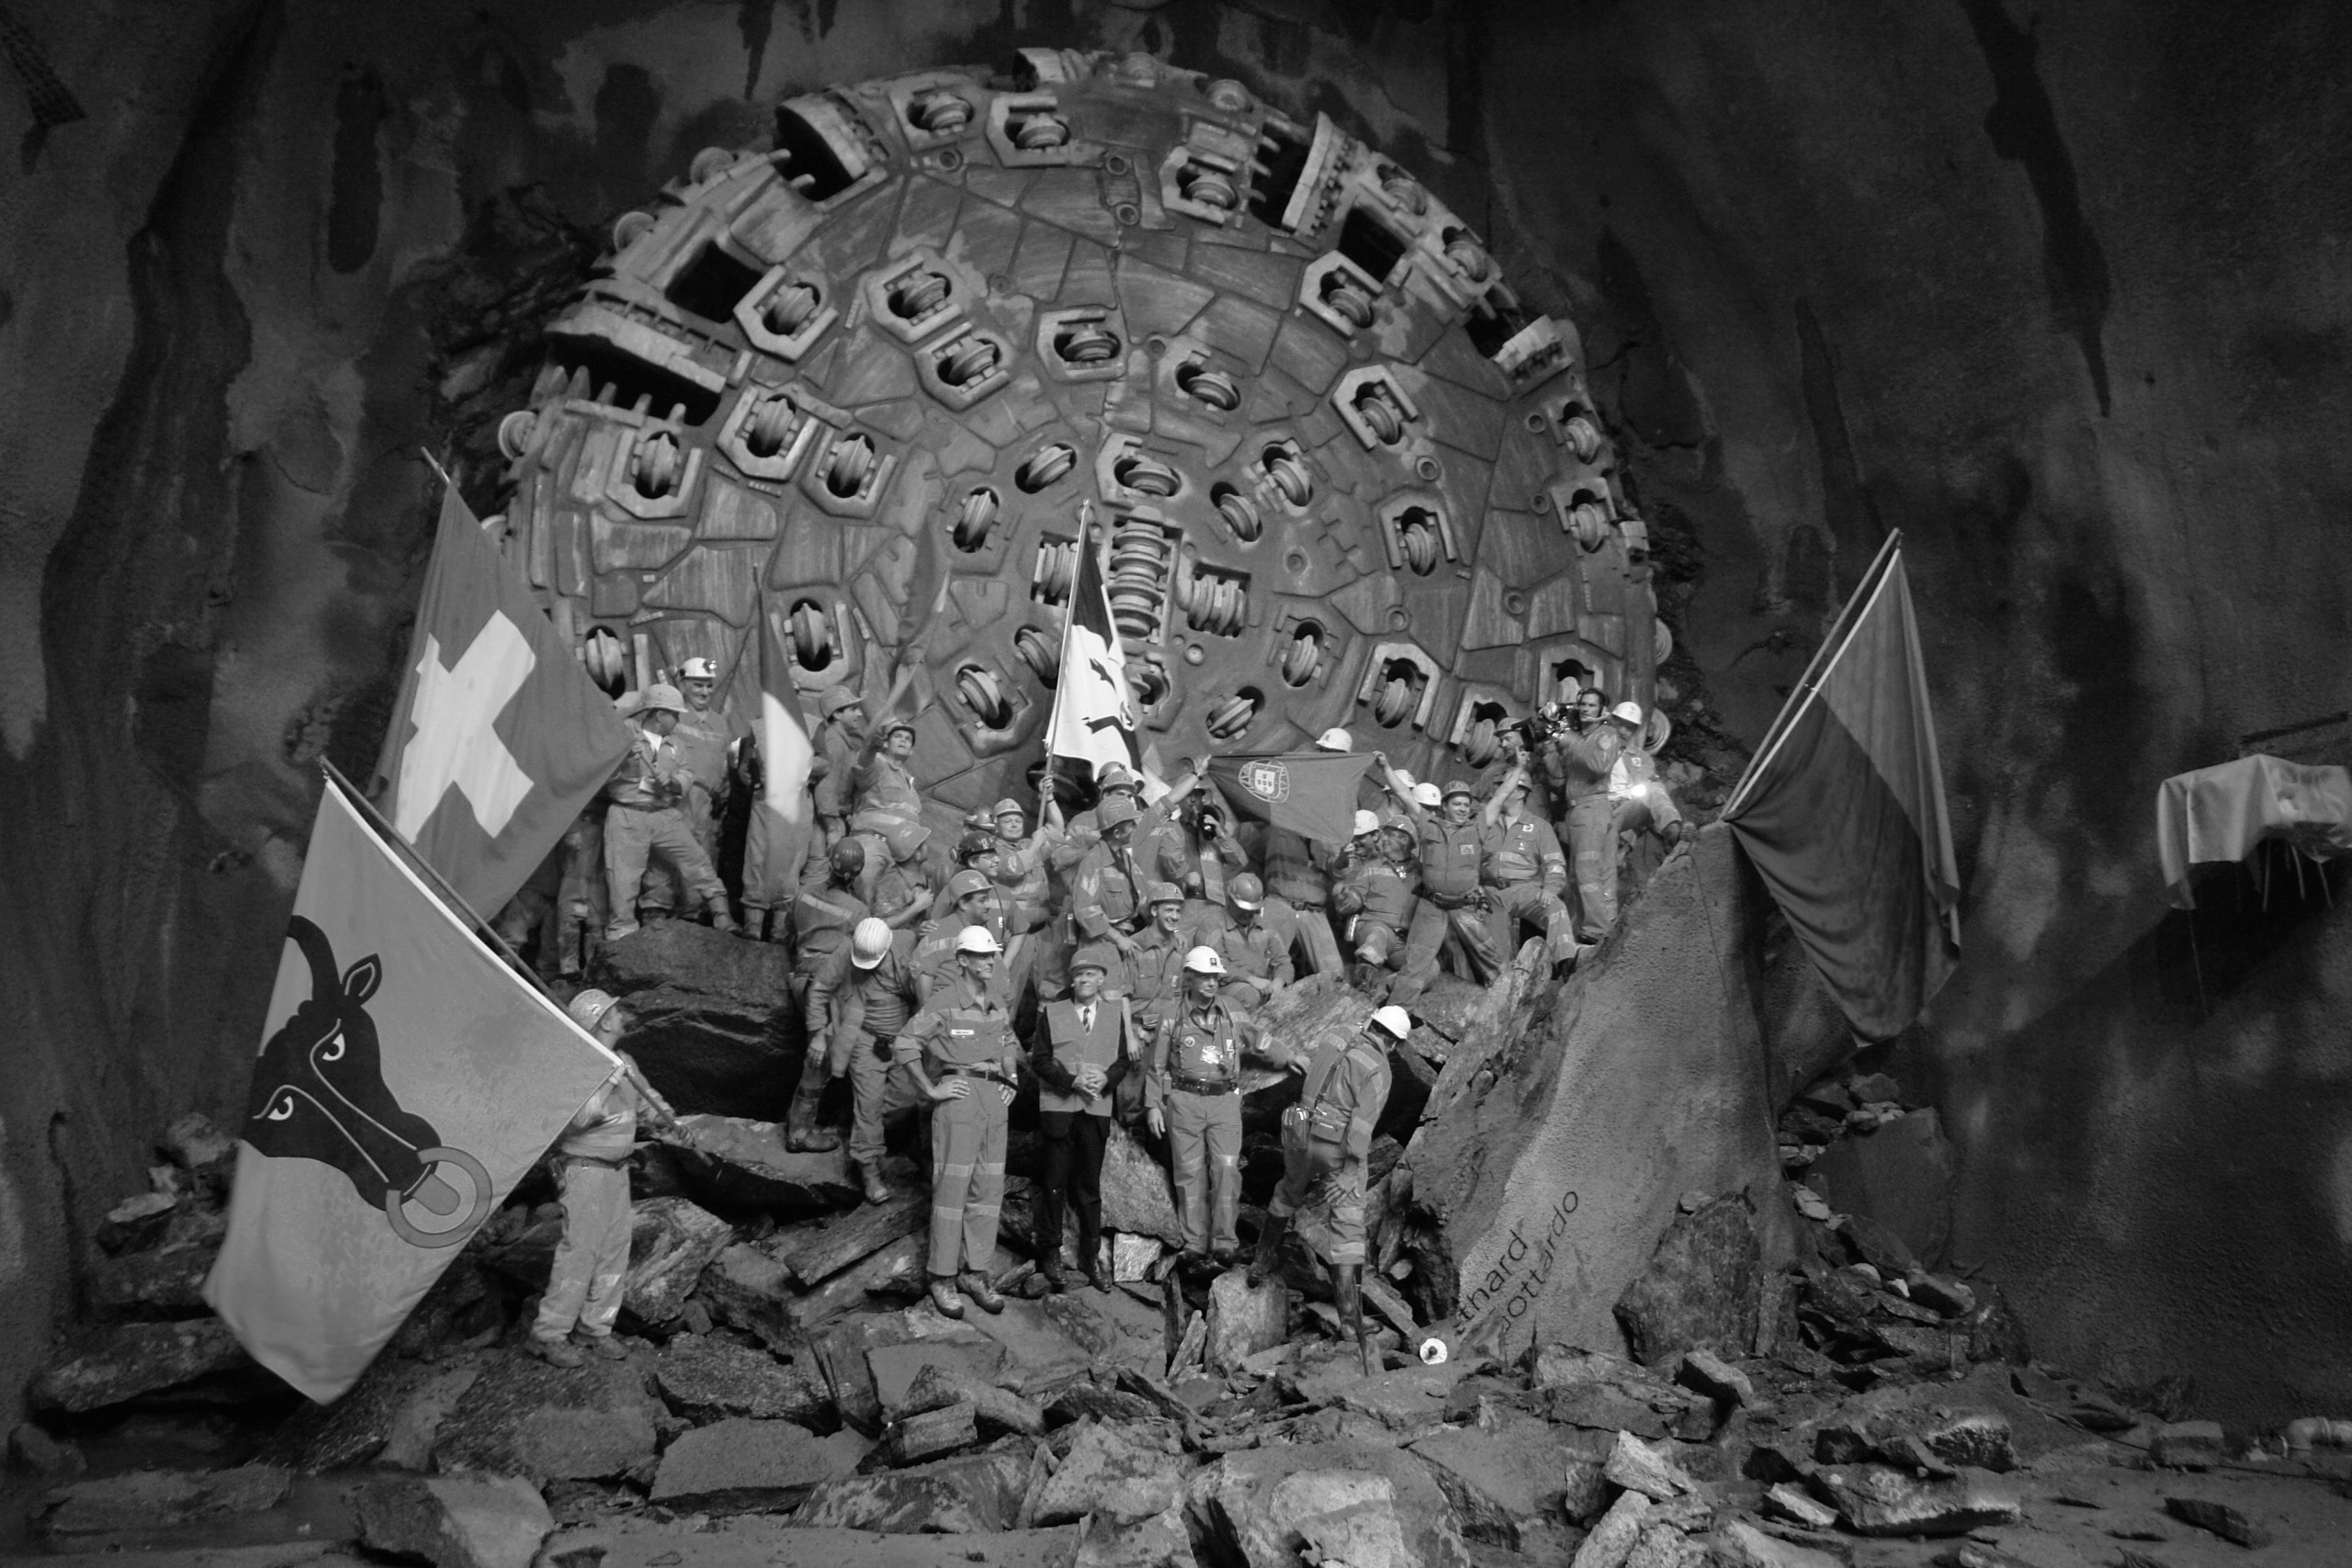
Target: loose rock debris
column 784, row 1381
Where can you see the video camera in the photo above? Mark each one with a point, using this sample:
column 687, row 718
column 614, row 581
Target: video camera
column 1551, row 722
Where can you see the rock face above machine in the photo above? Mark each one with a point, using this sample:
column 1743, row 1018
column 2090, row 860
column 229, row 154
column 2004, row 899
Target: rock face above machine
column 858, row 386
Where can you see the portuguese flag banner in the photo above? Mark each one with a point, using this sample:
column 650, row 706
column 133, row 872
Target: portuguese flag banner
column 1312, row 794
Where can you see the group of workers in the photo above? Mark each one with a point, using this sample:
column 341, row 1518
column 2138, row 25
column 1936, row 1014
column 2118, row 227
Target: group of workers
column 1134, row 945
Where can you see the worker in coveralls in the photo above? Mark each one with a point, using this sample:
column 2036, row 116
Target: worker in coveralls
column 1380, row 896
column 1585, row 762
column 648, row 817
column 857, row 1008
column 584, row 1286
column 1079, row 1040
column 1193, row 1097
column 960, row 1053
column 1525, row 875
column 1327, row 1140
column 1452, row 849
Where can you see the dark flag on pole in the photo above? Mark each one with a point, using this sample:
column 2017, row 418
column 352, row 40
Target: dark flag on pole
column 1843, row 813
column 1312, row 794
column 1094, row 716
column 499, row 736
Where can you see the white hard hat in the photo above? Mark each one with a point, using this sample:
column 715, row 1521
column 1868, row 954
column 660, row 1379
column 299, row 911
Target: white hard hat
column 868, row 942
column 1426, row 795
column 590, row 1007
column 1395, row 1019
column 1335, row 741
column 697, row 670
column 1367, row 822
column 1629, row 712
column 978, row 938
column 1204, row 961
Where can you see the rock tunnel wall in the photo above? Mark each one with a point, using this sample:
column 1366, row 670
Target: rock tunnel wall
column 2061, row 298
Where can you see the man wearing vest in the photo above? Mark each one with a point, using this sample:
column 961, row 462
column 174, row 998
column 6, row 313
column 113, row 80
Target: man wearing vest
column 857, row 1009
column 1381, row 898
column 1193, row 1097
column 960, row 1054
column 646, row 818
column 1453, row 849
column 1079, row 1042
column 1525, row 875
column 1257, row 958
column 1326, row 1141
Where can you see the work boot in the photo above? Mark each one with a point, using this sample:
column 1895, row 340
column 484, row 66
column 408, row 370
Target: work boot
column 1225, row 1257
column 1050, row 1269
column 984, row 1295
column 801, row 1134
column 554, row 1352
column 944, row 1296
column 876, row 1190
column 1099, row 1277
column 1269, row 1251
column 720, row 920
column 603, row 1346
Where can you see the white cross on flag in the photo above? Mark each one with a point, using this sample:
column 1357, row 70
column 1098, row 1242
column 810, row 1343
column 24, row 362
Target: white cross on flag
column 499, row 736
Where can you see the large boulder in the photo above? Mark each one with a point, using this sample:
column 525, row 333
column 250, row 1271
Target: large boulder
column 147, row 1500
column 670, row 1242
column 394, row 1394
column 454, row 1521
column 1898, row 1177
column 524, row 1417
column 128, row 1360
column 735, row 1163
column 704, row 1377
column 1703, row 1288
column 1234, row 1502
column 1126, row 1473
column 1505, row 1483
column 1137, row 1197
column 1550, row 1174
column 949, row 1496
column 160, row 1283
column 711, row 1020
column 742, row 1466
column 1244, row 1319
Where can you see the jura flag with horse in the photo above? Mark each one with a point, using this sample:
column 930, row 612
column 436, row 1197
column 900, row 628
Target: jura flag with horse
column 407, row 1079
column 498, row 738
column 1094, row 713
column 1843, row 813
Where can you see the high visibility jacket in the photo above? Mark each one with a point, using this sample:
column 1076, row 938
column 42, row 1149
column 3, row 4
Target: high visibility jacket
column 1296, row 869
column 1202, row 1047
column 643, row 780
column 878, row 1000
column 962, row 1029
column 1584, row 761
column 605, row 1128
column 1381, row 890
column 879, row 784
column 1451, row 857
column 822, row 919
column 1346, row 1084
column 1525, row 851
column 1107, row 893
column 1064, row 1044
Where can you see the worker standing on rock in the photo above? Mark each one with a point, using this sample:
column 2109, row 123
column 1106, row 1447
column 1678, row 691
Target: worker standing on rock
column 960, row 1053
column 857, row 1008
column 881, row 781
column 1106, row 899
column 971, row 899
column 1525, row 874
column 839, row 741
column 1257, row 958
column 1586, row 761
column 1454, row 905
column 1326, row 1143
column 591, row 1268
column 824, row 916
column 1380, row 896
column 1079, row 1042
column 1193, row 1097
column 647, row 817
column 702, row 738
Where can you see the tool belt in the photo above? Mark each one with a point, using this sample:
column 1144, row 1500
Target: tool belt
column 1191, row 1085
column 648, row 806
column 884, row 1043
column 1450, row 900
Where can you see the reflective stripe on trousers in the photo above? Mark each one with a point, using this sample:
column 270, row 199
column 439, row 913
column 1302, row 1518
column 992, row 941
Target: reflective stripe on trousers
column 966, row 1178
column 1204, row 1148
column 591, row 1270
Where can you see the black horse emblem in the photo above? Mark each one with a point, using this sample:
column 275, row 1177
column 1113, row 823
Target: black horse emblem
column 319, row 1095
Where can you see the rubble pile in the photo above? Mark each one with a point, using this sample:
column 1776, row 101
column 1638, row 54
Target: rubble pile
column 785, row 1379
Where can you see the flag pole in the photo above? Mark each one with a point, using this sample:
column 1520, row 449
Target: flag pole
column 1816, row 671
column 439, row 884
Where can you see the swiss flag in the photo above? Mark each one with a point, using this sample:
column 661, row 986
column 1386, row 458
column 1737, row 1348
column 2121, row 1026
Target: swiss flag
column 499, row 736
